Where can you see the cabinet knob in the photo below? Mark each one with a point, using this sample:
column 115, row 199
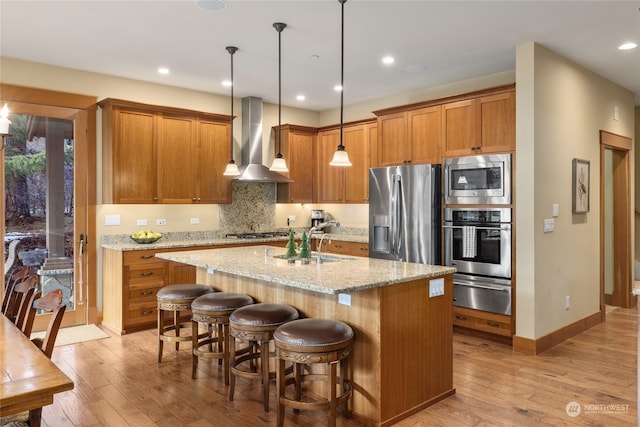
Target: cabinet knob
column 146, row 274
column 146, row 313
column 193, row 199
column 155, row 199
column 146, row 256
column 493, row 324
column 144, row 294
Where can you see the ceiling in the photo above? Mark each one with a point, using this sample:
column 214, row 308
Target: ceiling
column 433, row 42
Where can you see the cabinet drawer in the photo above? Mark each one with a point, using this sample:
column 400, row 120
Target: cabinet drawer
column 482, row 321
column 140, row 257
column 152, row 274
column 142, row 313
column 346, row 248
column 143, row 292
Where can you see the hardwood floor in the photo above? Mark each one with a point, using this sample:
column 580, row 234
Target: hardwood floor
column 118, row 383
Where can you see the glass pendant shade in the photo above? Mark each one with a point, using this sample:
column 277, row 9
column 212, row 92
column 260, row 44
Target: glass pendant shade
column 279, row 165
column 340, row 158
column 231, row 170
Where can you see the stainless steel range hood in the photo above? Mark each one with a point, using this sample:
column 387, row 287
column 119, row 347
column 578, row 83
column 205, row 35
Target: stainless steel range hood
column 252, row 169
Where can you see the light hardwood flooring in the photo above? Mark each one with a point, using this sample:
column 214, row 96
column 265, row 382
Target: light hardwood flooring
column 119, row 383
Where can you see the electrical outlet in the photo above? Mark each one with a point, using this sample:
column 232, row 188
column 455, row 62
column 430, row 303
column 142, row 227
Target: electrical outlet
column 112, row 220
column 567, row 302
column 194, row 221
column 344, row 299
column 436, row 287
column 141, row 222
column 161, row 221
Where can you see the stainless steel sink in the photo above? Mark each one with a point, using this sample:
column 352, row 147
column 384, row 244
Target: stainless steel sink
column 314, row 258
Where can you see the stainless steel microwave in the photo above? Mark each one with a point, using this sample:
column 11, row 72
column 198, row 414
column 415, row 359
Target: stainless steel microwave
column 478, row 180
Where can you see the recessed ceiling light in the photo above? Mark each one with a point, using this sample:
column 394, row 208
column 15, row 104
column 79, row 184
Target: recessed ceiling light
column 388, row 60
column 301, row 97
column 163, row 70
column 627, row 46
column 226, row 83
column 211, row 4
column 337, row 88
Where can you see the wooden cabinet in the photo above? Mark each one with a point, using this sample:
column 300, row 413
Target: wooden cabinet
column 491, row 323
column 154, row 154
column 343, row 184
column 410, row 137
column 297, row 150
column 344, row 248
column 480, row 125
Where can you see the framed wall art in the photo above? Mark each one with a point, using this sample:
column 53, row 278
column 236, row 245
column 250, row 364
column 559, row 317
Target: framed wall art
column 580, row 189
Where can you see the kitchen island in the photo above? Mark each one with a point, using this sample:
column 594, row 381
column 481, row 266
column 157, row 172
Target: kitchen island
column 402, row 360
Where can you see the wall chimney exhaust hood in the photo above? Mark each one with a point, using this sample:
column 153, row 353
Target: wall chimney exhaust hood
column 252, row 169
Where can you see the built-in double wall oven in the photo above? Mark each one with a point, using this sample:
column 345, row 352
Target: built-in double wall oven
column 477, row 236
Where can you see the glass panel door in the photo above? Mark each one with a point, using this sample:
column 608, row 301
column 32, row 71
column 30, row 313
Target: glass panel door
column 40, row 204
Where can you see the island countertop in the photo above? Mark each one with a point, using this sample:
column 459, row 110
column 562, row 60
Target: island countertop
column 344, row 274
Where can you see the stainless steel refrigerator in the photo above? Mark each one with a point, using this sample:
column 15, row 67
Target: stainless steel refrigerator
column 404, row 213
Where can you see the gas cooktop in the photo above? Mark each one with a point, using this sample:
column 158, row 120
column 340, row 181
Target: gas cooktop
column 261, row 235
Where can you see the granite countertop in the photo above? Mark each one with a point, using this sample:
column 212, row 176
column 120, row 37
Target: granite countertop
column 186, row 240
column 347, row 274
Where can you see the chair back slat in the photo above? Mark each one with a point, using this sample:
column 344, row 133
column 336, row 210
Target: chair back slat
column 17, row 296
column 18, row 275
column 51, row 302
column 26, row 326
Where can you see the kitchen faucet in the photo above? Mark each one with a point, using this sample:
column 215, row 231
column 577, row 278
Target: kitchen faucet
column 320, row 227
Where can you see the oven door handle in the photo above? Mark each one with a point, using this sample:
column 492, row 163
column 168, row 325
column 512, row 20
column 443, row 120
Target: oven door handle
column 502, row 227
column 501, row 288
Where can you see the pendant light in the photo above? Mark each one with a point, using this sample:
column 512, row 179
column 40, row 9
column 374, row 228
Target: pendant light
column 340, row 157
column 232, row 168
column 279, row 164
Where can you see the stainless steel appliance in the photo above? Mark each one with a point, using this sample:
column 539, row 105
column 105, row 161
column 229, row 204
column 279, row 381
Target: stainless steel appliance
column 317, row 218
column 404, row 213
column 478, row 180
column 477, row 242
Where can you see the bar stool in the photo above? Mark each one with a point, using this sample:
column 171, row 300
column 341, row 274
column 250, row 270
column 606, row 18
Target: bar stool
column 214, row 310
column 176, row 298
column 314, row 341
column 255, row 324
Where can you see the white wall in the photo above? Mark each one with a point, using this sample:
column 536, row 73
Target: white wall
column 561, row 108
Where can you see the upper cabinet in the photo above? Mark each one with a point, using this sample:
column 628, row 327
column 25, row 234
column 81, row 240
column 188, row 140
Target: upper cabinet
column 344, row 184
column 157, row 154
column 298, row 145
column 410, row 137
column 480, row 125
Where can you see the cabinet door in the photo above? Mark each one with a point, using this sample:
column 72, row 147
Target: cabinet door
column 460, row 128
column 297, row 150
column 211, row 158
column 180, row 273
column 356, row 177
column 374, row 156
column 330, row 183
column 393, row 142
column 498, row 122
column 176, row 142
column 134, row 157
column 425, row 131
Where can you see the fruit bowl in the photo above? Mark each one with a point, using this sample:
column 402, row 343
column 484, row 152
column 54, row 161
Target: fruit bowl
column 144, row 239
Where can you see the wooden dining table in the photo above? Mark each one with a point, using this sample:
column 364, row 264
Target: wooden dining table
column 28, row 378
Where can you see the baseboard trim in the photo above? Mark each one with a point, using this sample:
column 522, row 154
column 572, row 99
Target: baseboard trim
column 536, row 346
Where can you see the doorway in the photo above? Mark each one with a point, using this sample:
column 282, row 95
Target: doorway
column 615, row 230
column 60, row 130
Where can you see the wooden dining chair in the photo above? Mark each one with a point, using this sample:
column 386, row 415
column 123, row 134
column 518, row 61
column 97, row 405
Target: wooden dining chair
column 51, row 302
column 18, row 293
column 26, row 324
column 18, row 275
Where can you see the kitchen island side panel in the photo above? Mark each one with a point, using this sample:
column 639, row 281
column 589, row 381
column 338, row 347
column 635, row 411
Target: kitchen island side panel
column 417, row 347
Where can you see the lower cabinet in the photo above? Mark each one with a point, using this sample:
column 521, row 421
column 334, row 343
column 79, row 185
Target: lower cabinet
column 491, row 323
column 342, row 247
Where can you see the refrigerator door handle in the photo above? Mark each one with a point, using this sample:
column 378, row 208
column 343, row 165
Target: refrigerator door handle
column 396, row 222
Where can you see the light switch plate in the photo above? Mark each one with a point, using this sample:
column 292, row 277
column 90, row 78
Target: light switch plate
column 194, row 221
column 160, row 221
column 555, row 210
column 141, row 222
column 549, row 225
column 112, row 220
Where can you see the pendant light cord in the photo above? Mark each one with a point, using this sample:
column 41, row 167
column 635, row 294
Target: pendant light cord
column 342, row 73
column 231, row 50
column 279, row 26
